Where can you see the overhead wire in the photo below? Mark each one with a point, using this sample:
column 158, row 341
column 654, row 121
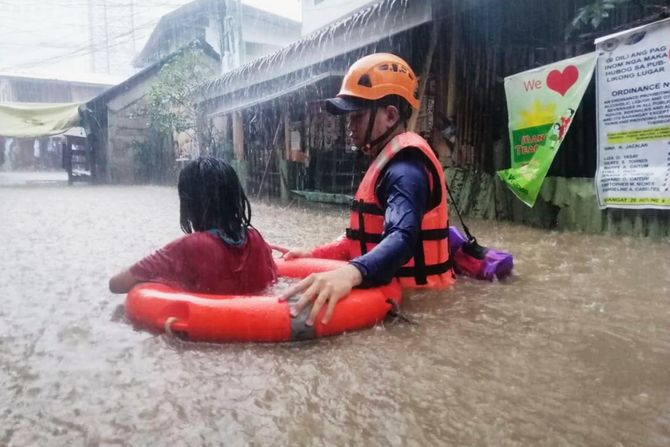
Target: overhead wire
column 81, row 50
column 13, row 31
column 84, row 4
column 88, row 49
column 84, row 50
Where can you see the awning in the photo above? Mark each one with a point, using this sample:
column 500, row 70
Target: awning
column 234, row 103
column 34, row 120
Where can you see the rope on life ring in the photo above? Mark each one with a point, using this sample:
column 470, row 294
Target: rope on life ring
column 394, row 312
column 168, row 325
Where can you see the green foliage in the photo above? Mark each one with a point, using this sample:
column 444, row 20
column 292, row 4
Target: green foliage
column 171, row 99
column 170, row 108
column 592, row 14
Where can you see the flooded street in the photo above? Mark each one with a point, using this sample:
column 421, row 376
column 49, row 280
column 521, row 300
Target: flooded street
column 574, row 349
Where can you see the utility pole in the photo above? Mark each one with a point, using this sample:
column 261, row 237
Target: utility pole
column 132, row 25
column 104, row 6
column 232, row 32
column 91, row 36
column 220, row 14
column 241, row 50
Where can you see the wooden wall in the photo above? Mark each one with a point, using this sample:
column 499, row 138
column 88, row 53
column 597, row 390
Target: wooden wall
column 478, row 43
column 494, row 39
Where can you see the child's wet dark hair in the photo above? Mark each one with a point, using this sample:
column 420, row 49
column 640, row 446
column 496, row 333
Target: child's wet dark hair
column 211, row 197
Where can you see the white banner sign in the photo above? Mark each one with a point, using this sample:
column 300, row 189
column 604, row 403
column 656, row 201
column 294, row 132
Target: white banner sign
column 633, row 83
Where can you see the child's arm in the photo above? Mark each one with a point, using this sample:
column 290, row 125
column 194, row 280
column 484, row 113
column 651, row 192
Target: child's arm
column 165, row 265
column 337, row 249
column 122, row 282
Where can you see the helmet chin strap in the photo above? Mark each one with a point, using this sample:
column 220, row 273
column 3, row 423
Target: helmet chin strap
column 371, row 124
column 369, row 145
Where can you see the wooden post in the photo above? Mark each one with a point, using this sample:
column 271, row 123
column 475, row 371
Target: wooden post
column 452, row 82
column 238, row 136
column 238, row 162
column 285, row 116
column 106, row 145
column 220, row 135
column 425, row 73
column 453, row 57
column 284, row 162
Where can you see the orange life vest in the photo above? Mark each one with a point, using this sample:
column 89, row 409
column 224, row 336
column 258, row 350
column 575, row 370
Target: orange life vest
column 430, row 265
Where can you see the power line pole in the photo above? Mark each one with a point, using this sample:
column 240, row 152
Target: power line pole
column 104, row 6
column 132, row 24
column 90, row 34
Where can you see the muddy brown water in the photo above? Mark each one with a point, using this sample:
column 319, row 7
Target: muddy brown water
column 573, row 350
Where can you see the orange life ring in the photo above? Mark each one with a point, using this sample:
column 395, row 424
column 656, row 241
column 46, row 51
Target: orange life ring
column 224, row 318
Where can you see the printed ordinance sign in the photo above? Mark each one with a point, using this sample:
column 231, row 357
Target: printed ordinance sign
column 633, row 91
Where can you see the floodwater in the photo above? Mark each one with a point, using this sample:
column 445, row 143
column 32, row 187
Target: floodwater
column 573, row 350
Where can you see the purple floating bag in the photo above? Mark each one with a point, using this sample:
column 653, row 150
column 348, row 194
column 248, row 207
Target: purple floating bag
column 479, row 262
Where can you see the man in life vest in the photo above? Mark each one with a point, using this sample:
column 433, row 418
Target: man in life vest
column 399, row 221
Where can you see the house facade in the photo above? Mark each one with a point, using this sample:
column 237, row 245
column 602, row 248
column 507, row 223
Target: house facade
column 227, row 33
column 237, row 32
column 118, row 121
column 271, row 114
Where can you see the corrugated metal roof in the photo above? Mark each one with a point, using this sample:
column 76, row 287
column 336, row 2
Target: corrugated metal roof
column 61, row 76
column 379, row 21
column 128, row 83
column 246, row 101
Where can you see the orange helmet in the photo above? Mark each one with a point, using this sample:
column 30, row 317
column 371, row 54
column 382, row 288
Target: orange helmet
column 371, row 78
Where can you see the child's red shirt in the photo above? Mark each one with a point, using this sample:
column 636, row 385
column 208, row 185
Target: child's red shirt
column 202, row 262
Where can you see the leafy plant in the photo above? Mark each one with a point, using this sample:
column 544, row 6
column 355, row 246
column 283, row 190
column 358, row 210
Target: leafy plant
column 592, row 14
column 171, row 99
column 171, row 108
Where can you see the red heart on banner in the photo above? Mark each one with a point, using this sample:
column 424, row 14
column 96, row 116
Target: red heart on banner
column 561, row 82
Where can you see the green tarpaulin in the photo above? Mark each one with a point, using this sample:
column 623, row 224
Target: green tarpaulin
column 541, row 104
column 562, row 204
column 34, row 120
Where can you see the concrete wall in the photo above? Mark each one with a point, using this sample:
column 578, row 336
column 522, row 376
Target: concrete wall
column 318, row 13
column 124, row 129
column 262, row 28
column 128, row 123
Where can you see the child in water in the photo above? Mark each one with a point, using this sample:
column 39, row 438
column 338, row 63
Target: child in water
column 221, row 252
